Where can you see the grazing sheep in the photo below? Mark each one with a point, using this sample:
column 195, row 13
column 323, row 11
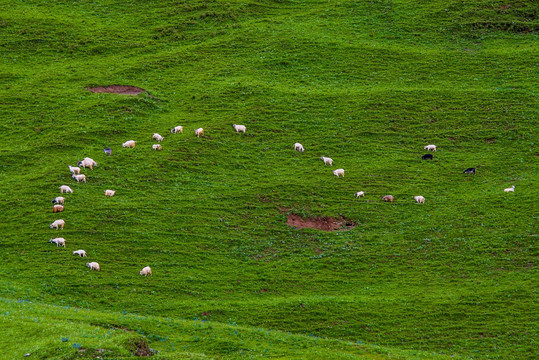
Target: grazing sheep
column 157, row 137
column 469, row 171
column 87, row 162
column 327, row 161
column 157, row 147
column 360, row 193
column 147, row 270
column 79, row 178
column 511, row 189
column 110, row 193
column 107, row 151
column 58, row 241
column 177, row 129
column 387, row 198
column 129, row 144
column 66, row 189
column 74, row 169
column 430, row 147
column 93, row 266
column 58, row 224
column 338, row 172
column 57, row 208
column 419, row 199
column 427, row 157
column 239, row 128
column 298, row 147
column 199, row 132
column 59, row 200
column 81, row 253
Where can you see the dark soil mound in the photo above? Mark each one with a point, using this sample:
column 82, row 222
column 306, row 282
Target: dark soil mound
column 142, row 349
column 116, row 89
column 320, row 223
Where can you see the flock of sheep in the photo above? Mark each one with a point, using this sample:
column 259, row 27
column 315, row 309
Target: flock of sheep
column 340, row 172
column 87, row 162
column 59, row 201
column 389, row 198
column 58, row 206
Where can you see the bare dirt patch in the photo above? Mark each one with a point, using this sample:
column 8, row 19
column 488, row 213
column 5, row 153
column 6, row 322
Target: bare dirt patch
column 117, row 89
column 320, row 223
column 142, row 349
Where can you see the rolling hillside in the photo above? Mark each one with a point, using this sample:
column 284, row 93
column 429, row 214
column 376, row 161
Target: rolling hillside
column 368, row 84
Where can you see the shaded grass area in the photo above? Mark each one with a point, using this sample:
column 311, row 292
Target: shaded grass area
column 54, row 332
column 368, row 84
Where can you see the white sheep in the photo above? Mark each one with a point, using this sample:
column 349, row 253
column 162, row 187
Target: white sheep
column 147, row 270
column 360, row 193
column 419, row 199
column 58, row 224
column 327, row 161
column 199, row 132
column 338, row 172
column 79, row 178
column 66, row 189
column 58, row 241
column 81, row 253
column 59, row 200
column 430, row 147
column 157, row 147
column 157, row 137
column 239, row 128
column 87, row 162
column 93, row 266
column 129, row 144
column 298, row 147
column 74, row 169
column 177, row 129
column 110, row 193
column 57, row 208
column 511, row 189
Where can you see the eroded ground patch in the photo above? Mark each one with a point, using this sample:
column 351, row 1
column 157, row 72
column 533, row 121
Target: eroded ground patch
column 117, row 89
column 320, row 223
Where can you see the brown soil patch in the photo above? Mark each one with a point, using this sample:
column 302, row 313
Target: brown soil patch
column 117, row 89
column 142, row 349
column 320, row 223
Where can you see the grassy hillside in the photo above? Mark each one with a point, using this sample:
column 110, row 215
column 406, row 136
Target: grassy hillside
column 71, row 333
column 365, row 83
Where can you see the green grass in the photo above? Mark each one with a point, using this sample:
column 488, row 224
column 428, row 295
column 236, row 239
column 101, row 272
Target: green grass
column 72, row 333
column 365, row 83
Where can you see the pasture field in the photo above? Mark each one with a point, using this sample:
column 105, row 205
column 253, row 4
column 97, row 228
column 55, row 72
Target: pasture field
column 367, row 83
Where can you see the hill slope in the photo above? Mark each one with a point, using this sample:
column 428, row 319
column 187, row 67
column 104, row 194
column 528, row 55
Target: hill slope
column 367, row 84
column 68, row 333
